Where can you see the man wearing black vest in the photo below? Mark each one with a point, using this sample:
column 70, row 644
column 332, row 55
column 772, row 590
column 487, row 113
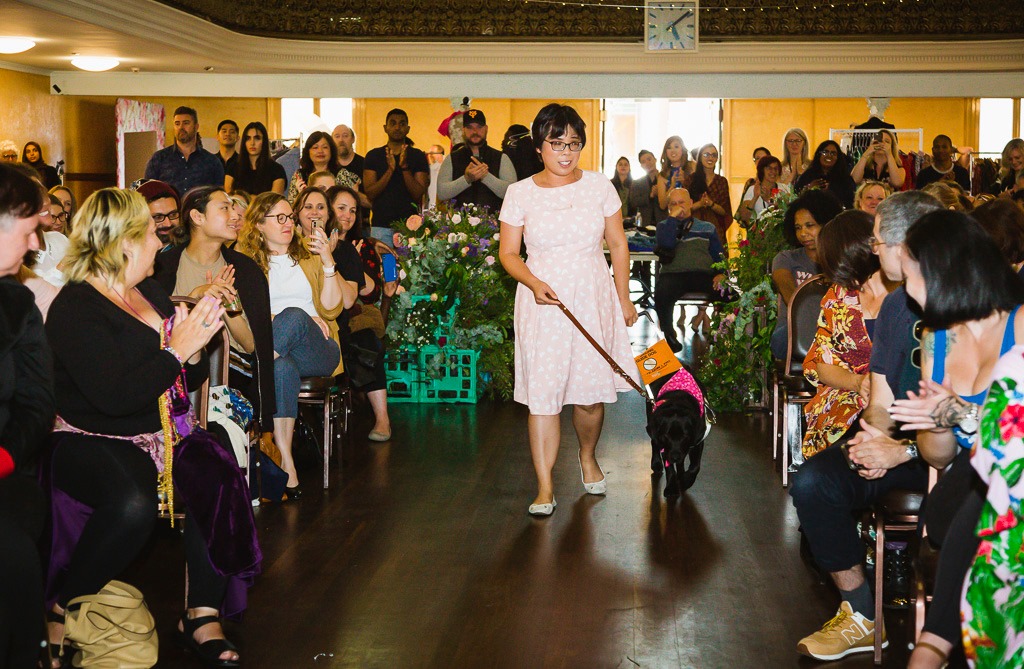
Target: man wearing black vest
column 483, row 173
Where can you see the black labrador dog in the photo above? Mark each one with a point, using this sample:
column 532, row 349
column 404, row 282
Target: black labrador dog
column 677, row 429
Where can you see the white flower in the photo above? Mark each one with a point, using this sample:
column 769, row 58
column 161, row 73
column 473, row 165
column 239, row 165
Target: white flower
column 452, row 238
column 413, row 241
column 465, row 250
column 497, row 236
column 462, row 236
column 457, row 218
column 489, row 260
column 401, row 274
column 474, row 220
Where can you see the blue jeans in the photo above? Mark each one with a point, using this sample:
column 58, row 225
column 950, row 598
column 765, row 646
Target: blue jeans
column 303, row 351
column 386, row 235
column 826, row 493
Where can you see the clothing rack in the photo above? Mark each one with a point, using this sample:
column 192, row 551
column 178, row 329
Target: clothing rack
column 853, row 141
column 977, row 157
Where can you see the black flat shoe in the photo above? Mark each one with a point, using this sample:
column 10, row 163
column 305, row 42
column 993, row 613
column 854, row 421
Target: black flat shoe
column 293, row 493
column 209, row 652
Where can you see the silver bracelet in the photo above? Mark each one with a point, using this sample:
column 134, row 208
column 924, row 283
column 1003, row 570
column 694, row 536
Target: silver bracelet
column 177, row 356
column 333, row 270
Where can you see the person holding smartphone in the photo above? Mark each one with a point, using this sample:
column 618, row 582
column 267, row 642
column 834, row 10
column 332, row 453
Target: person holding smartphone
column 881, row 162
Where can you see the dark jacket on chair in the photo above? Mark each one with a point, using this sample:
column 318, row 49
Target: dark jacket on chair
column 254, row 292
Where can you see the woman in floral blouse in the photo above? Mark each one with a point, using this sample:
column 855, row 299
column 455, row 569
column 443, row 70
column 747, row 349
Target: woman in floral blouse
column 837, row 362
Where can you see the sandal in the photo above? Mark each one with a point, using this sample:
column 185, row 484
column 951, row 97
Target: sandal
column 56, row 654
column 209, row 652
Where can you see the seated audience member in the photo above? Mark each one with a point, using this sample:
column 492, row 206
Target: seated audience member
column 991, row 607
column 943, row 167
column 8, row 151
column 826, row 492
column 319, row 154
column 164, row 206
column 43, row 292
column 67, row 202
column 837, row 362
column 946, row 194
column 763, row 190
column 687, row 247
column 26, row 416
column 518, row 146
column 710, row 192
column 120, row 348
column 970, row 299
column 881, row 162
column 200, row 264
column 829, row 171
column 759, row 153
column 870, row 194
column 623, row 182
column 255, row 171
column 676, row 171
column 307, row 294
column 32, row 155
column 365, row 328
column 1004, row 223
column 54, row 218
column 1011, row 167
column 803, row 221
column 52, row 244
column 322, row 181
column 795, row 160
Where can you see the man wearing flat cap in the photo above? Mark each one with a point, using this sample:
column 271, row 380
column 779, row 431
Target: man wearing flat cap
column 475, row 173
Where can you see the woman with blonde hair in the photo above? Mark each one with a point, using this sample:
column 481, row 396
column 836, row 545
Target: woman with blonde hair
column 307, row 295
column 795, row 157
column 124, row 358
column 946, row 194
column 870, row 194
column 1011, row 166
column 881, row 161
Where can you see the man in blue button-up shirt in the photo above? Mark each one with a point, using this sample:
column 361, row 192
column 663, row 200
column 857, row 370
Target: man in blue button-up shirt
column 185, row 164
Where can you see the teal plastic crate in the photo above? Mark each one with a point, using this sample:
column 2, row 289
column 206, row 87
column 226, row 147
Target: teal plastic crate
column 401, row 367
column 445, row 322
column 458, row 375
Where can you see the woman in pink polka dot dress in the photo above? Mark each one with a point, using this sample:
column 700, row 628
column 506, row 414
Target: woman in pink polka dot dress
column 564, row 214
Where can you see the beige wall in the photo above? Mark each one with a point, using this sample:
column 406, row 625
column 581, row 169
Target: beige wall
column 212, row 111
column 425, row 115
column 30, row 113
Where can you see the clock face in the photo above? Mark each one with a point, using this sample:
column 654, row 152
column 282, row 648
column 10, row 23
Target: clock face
column 670, row 25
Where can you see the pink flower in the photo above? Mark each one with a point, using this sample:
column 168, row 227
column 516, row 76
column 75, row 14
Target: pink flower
column 1011, row 422
column 489, row 260
column 396, row 239
column 414, row 222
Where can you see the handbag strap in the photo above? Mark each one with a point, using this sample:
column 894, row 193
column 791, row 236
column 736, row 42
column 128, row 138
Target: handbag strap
column 604, row 354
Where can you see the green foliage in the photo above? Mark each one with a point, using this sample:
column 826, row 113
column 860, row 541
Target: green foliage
column 450, row 258
column 734, row 366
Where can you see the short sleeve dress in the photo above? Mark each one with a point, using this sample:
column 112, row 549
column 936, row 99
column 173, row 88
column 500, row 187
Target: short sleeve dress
column 563, row 232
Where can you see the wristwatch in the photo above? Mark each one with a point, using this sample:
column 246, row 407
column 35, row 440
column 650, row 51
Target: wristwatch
column 968, row 419
column 911, row 447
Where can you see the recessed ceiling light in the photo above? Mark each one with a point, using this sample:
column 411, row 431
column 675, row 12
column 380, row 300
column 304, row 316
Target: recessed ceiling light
column 15, row 44
column 95, row 63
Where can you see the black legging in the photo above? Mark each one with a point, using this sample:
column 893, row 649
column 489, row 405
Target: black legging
column 21, row 579
column 118, row 481
column 367, row 341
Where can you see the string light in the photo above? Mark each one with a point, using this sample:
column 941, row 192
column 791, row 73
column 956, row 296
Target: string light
column 705, row 8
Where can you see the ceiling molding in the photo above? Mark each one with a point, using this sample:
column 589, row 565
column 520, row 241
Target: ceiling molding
column 231, row 52
column 18, row 67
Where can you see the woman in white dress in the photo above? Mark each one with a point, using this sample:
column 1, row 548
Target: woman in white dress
column 564, row 214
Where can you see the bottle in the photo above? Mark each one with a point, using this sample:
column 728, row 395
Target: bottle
column 639, row 221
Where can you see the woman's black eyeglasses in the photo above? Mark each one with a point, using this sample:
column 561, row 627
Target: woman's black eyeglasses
column 282, row 218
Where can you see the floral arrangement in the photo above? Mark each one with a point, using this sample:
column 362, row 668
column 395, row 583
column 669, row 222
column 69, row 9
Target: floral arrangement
column 454, row 292
column 734, row 367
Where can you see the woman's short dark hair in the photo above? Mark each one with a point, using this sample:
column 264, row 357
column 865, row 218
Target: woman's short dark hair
column 764, row 163
column 844, row 249
column 357, row 228
column 306, row 163
column 965, row 274
column 1004, row 222
column 196, row 199
column 21, row 196
column 555, row 120
column 821, row 204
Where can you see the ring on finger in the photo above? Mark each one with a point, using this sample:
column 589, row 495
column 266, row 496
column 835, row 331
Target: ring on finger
column 206, row 325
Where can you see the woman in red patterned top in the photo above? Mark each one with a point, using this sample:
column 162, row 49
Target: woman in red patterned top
column 710, row 193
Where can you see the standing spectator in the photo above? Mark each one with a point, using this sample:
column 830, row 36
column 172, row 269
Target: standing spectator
column 830, row 172
column 475, row 173
column 643, row 194
column 395, row 177
column 759, row 153
column 227, row 137
column 518, row 146
column 32, row 155
column 943, row 167
column 870, row 194
column 763, row 191
column 350, row 161
column 255, row 172
column 26, row 416
column 795, row 162
column 623, row 182
column 676, row 171
column 881, row 161
column 710, row 192
column 1011, row 167
column 185, row 164
column 566, row 214
column 319, row 154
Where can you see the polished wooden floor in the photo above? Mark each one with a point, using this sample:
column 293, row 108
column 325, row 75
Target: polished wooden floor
column 422, row 554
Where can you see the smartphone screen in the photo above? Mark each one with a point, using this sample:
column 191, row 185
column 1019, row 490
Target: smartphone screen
column 390, row 265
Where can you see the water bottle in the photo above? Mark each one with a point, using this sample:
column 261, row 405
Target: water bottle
column 639, row 221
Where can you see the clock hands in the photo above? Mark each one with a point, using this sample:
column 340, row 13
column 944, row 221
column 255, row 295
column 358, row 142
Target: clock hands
column 687, row 14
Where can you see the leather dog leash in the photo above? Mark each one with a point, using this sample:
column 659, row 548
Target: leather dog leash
column 611, row 361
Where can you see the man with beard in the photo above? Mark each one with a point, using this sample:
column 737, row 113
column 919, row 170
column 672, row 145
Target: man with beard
column 483, row 173
column 395, row 177
column 164, row 206
column 351, row 162
column 186, row 164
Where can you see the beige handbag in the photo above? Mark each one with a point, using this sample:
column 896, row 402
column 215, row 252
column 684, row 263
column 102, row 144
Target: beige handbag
column 112, row 629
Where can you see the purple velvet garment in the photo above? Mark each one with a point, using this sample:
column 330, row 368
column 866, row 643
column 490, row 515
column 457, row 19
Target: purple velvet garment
column 215, row 495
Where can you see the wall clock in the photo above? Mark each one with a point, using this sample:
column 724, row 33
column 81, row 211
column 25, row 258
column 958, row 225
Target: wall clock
column 670, row 25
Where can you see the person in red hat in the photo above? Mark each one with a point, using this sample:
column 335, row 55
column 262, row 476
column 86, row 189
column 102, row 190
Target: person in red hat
column 164, row 206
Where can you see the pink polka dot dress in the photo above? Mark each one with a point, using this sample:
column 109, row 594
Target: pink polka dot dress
column 563, row 229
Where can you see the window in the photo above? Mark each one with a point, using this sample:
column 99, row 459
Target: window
column 336, row 111
column 996, row 123
column 296, row 114
column 633, row 124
